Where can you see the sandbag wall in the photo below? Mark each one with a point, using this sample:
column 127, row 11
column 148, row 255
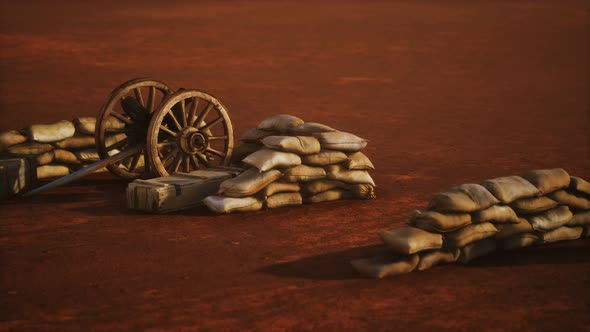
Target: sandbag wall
column 473, row 220
column 290, row 162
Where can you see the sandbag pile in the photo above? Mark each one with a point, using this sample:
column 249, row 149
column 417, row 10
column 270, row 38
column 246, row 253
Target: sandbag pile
column 58, row 148
column 473, row 220
column 290, row 162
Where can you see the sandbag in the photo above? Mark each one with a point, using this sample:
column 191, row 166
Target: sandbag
column 571, row 200
column 30, row 148
column 410, row 240
column 87, row 156
column 363, row 190
column 304, row 173
column 310, row 128
column 551, row 219
column 386, row 265
column 432, row 258
column 283, row 199
column 318, row 186
column 510, row 188
column 113, row 139
column 339, row 173
column 579, row 219
column 255, row 135
column 87, row 125
column 548, row 180
column 500, row 214
column 48, row 133
column 464, row 198
column 242, row 151
column 532, row 205
column 340, row 141
column 65, row 157
column 266, row 159
column 301, row 145
column 520, row 241
column 280, row 187
column 324, row 158
column 580, row 185
column 248, row 183
column 76, row 142
column 10, row 138
column 477, row 249
column 52, row 171
column 562, row 233
column 468, row 234
column 507, row 230
column 220, row 204
column 281, row 123
column 45, row 158
column 437, row 222
column 329, row 195
column 358, row 161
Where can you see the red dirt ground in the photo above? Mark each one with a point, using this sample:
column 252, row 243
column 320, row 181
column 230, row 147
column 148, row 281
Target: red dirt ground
column 446, row 93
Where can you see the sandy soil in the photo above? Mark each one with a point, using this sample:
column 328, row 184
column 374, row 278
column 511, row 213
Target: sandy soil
column 446, row 93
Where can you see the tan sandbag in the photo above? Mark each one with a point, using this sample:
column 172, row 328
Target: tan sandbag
column 324, row 158
column 48, row 133
column 281, row 123
column 248, row 183
column 469, row 234
column 510, row 188
column 304, row 173
column 302, row 145
column 318, row 186
column 310, row 128
column 438, row 222
column 562, row 233
column 10, row 138
column 87, row 125
column 464, row 198
column 477, row 249
column 280, row 187
column 358, row 161
column 328, row 196
column 532, row 205
column 76, row 142
column 548, row 180
column 340, row 173
column 220, row 204
column 579, row 219
column 432, row 258
column 30, row 148
column 551, row 219
column 571, row 200
column 45, row 158
column 340, row 141
column 87, row 156
column 385, row 265
column 266, row 159
column 500, row 214
column 113, row 139
column 507, row 230
column 580, row 185
column 52, row 171
column 255, row 135
column 410, row 240
column 363, row 190
column 65, row 157
column 283, row 199
column 242, row 151
column 520, row 241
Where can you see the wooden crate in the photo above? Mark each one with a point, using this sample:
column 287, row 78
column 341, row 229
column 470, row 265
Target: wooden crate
column 178, row 191
column 16, row 176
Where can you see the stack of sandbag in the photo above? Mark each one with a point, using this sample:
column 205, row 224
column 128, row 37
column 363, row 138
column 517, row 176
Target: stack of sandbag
column 473, row 220
column 289, row 162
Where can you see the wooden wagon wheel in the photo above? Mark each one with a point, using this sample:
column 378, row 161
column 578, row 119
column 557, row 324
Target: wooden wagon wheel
column 191, row 130
column 123, row 123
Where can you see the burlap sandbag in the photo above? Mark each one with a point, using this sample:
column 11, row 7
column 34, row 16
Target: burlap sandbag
column 318, row 186
column 301, row 145
column 520, row 241
column 363, row 190
column 48, row 133
column 280, row 187
column 220, row 204
column 551, row 219
column 477, row 249
column 500, row 214
column 114, row 139
column 340, row 173
column 304, row 173
column 562, row 233
column 548, row 180
column 76, row 142
column 410, row 240
column 464, row 198
column 248, row 183
column 340, row 141
column 507, row 230
column 328, row 196
column 10, row 138
column 432, row 258
column 255, row 135
column 65, row 157
column 282, row 123
column 30, row 148
column 266, row 159
column 571, row 200
column 52, row 171
column 437, row 222
column 580, row 185
column 324, row 158
column 310, row 128
column 385, row 265
column 242, row 151
column 469, row 234
column 579, row 219
column 45, row 158
column 87, row 156
column 533, row 205
column 358, row 161
column 283, row 199
column 87, row 125
column 510, row 188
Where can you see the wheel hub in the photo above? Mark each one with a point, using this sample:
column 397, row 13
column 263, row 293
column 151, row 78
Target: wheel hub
column 192, row 141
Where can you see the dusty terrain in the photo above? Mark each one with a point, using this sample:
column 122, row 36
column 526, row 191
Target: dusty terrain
column 446, row 93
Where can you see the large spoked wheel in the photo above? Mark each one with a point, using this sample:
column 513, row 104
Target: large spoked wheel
column 123, row 123
column 191, row 130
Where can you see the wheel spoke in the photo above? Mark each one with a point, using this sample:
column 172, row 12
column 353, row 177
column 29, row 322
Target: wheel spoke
column 202, row 159
column 183, row 112
column 121, row 117
column 171, row 114
column 215, row 152
column 115, row 130
column 117, row 145
column 211, row 124
column 193, row 110
column 214, row 138
column 134, row 162
column 138, row 96
column 169, row 157
column 187, row 164
column 177, row 162
column 132, row 107
column 203, row 115
column 170, row 132
column 165, row 144
column 151, row 99
column 195, row 161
